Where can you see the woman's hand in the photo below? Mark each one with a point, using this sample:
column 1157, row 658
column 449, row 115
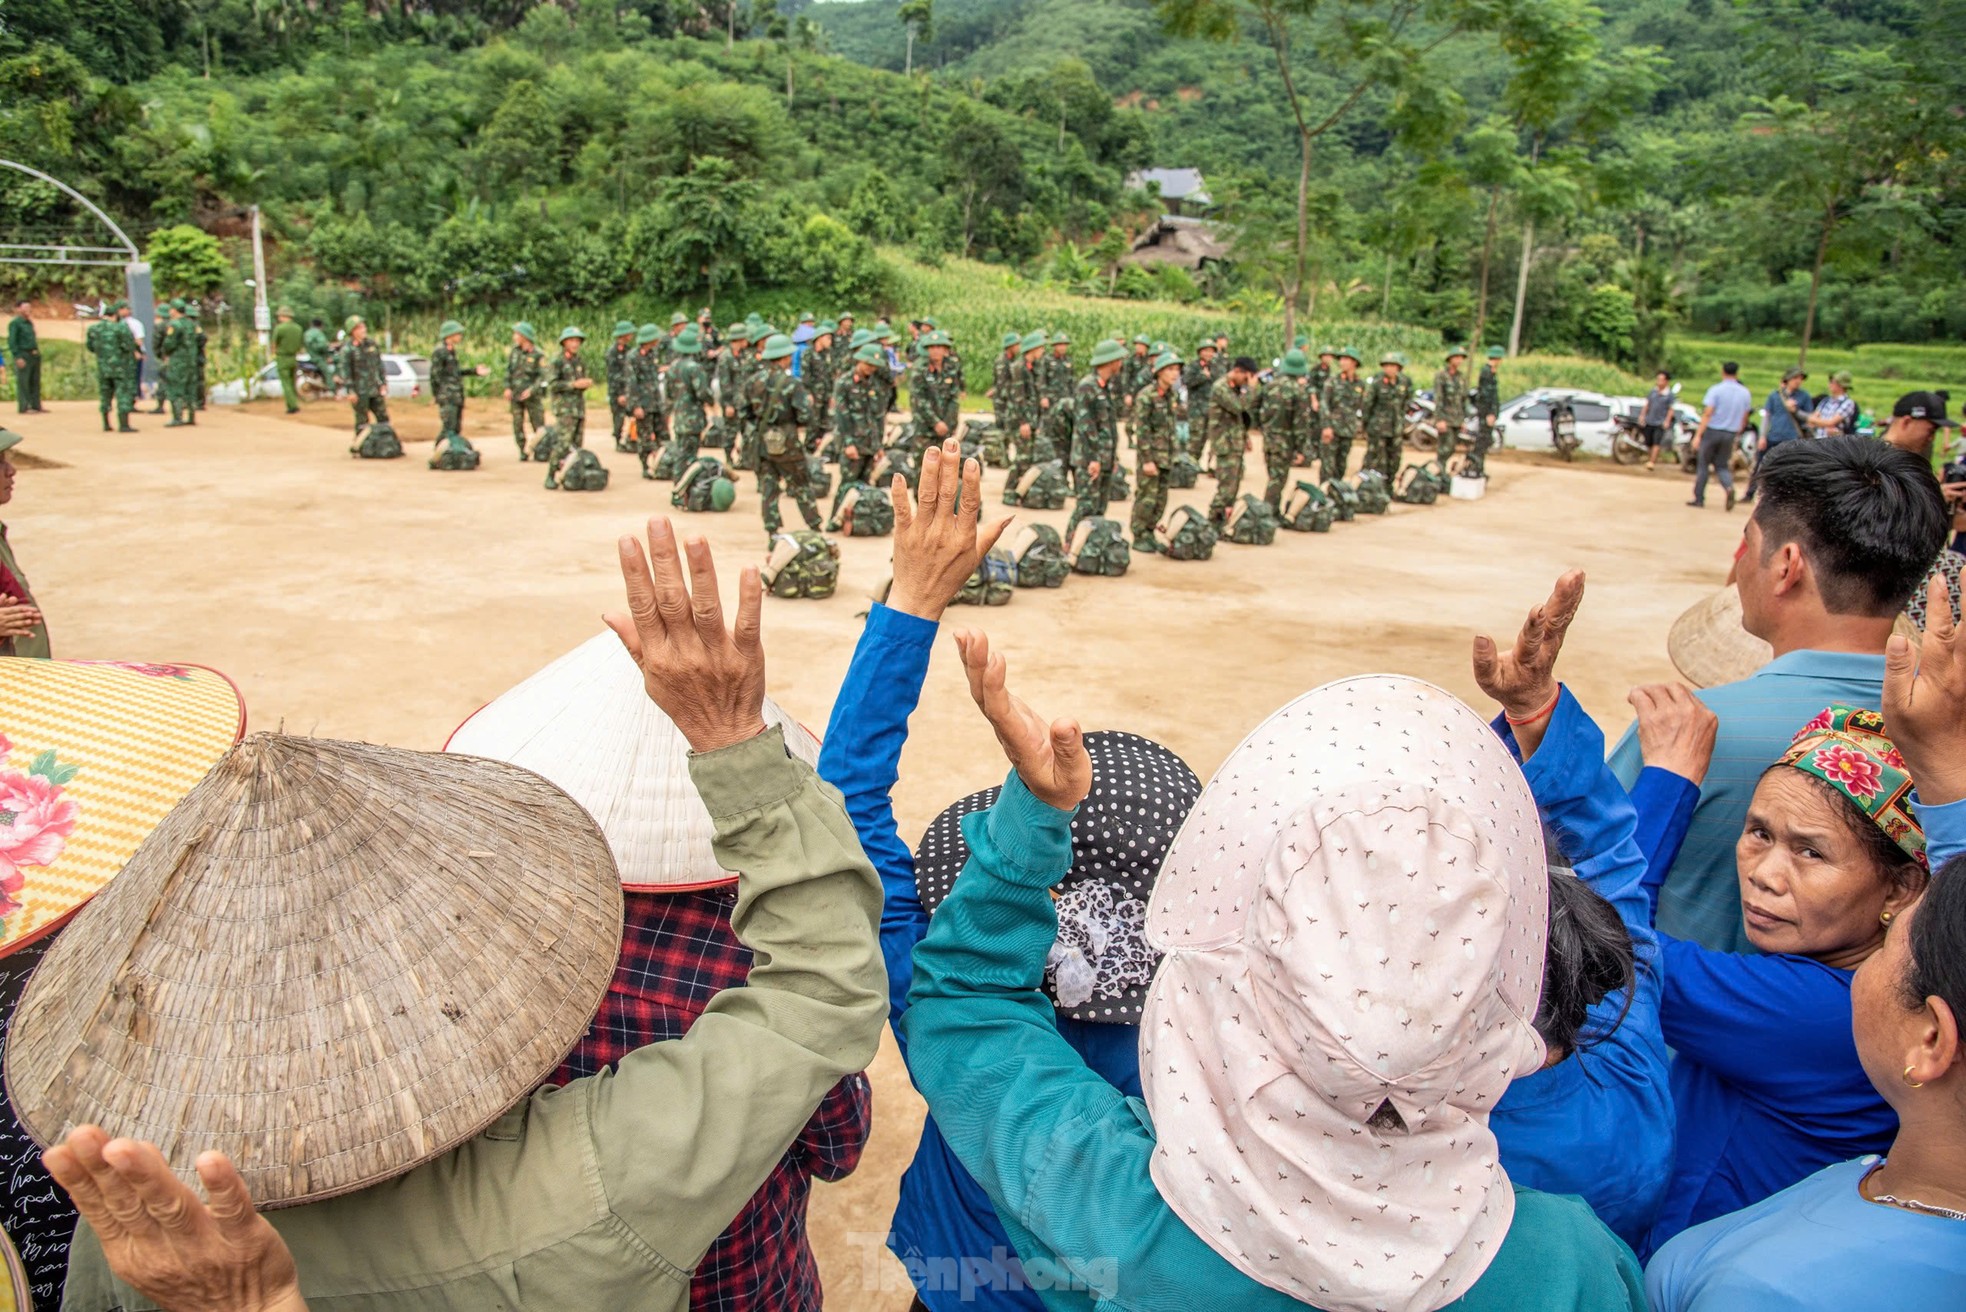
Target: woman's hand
column 1052, row 762
column 936, row 542
column 18, row 619
column 1523, row 679
column 1925, row 700
column 1676, row 730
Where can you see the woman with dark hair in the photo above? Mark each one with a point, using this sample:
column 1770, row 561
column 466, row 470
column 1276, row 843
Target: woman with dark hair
column 1878, row 1233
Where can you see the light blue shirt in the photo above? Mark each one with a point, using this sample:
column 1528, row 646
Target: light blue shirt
column 1759, row 715
column 1816, row 1245
column 1731, row 402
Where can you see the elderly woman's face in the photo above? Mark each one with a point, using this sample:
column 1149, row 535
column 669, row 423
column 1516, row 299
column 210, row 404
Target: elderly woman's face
column 1808, row 885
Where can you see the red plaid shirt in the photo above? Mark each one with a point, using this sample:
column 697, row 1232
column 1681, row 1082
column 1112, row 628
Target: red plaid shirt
column 677, row 952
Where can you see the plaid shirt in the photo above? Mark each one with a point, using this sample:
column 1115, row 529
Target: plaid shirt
column 1840, row 408
column 677, row 952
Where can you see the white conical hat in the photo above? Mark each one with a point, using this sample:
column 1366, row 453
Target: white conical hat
column 586, row 723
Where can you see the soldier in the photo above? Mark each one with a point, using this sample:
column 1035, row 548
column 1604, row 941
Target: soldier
column 109, row 356
column 1450, row 402
column 665, row 349
column 858, row 418
column 816, row 372
column 1285, row 414
column 784, row 410
column 24, row 349
column 843, row 348
column 1000, row 381
column 177, row 352
column 198, row 387
column 1095, row 433
column 1137, row 373
column 1030, row 444
column 614, row 361
column 567, row 380
column 690, row 401
column 934, row 395
column 447, row 379
column 130, row 362
column 733, row 367
column 644, row 395
column 1341, row 407
column 319, row 350
column 1056, row 398
column 707, row 336
column 1387, row 399
column 361, row 364
column 1487, row 403
column 1199, row 378
column 523, row 366
column 1321, row 373
column 1232, row 413
column 287, row 343
column 1158, row 411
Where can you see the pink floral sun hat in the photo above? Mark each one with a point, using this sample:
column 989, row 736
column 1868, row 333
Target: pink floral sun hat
column 1353, row 920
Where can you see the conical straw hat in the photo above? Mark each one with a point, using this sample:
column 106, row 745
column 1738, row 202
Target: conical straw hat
column 1708, row 646
column 15, row 1296
column 91, row 758
column 586, row 723
column 331, row 961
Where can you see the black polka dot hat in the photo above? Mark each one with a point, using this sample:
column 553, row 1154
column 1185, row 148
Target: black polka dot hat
column 1100, row 967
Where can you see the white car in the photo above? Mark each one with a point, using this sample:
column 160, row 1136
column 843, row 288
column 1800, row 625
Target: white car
column 405, row 376
column 1524, row 422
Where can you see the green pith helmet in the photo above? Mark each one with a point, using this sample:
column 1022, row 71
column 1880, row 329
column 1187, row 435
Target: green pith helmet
column 928, row 323
column 723, row 493
column 1010, row 340
column 1294, row 364
column 191, row 309
column 353, row 320
column 828, row 328
column 120, row 306
column 861, row 337
column 1162, row 348
column 807, row 316
column 647, row 333
column 571, row 333
column 761, row 331
column 754, row 319
column 449, row 328
column 1141, row 339
column 935, row 337
column 526, row 331
column 1300, row 341
column 871, row 353
column 1461, row 351
column 1036, row 341
column 778, row 347
column 886, row 335
column 738, row 332
column 1393, row 357
column 1061, row 338
column 1108, row 352
column 847, row 317
column 1350, row 353
column 1327, row 350
column 286, row 310
column 883, row 326
column 1207, row 344
column 687, row 342
column 678, row 319
column 1496, row 353
column 1166, row 359
column 623, row 328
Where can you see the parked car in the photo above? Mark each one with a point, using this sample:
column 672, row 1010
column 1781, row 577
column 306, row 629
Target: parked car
column 1526, row 418
column 405, row 376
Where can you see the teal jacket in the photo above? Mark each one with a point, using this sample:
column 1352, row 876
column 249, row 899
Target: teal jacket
column 1064, row 1155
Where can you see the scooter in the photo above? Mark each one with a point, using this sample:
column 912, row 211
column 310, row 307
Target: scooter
column 1563, row 429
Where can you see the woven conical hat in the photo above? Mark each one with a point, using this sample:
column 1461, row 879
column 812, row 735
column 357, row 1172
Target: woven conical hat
column 1708, row 646
column 331, row 961
column 91, row 758
column 15, row 1296
column 586, row 723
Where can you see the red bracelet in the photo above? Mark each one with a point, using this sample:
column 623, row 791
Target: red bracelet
column 1531, row 719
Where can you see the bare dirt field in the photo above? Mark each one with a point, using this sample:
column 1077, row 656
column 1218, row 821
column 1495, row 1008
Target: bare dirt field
column 383, row 601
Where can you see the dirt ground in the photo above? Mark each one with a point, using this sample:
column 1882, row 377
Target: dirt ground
column 386, row 602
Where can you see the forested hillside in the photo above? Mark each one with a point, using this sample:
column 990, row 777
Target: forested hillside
column 1658, row 163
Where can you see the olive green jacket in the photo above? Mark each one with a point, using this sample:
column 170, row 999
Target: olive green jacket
column 605, row 1193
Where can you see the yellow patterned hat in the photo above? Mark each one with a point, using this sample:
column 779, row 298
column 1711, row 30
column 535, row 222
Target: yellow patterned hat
column 91, row 758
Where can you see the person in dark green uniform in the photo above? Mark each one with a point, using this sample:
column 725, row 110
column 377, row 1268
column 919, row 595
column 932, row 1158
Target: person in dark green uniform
column 288, row 342
column 1198, row 376
column 615, row 361
column 524, row 366
column 1450, row 402
column 447, row 378
column 1487, row 404
column 177, row 349
column 361, row 365
column 688, row 397
column 24, row 350
column 113, row 346
column 198, row 341
column 784, row 415
column 23, row 631
column 644, row 394
column 1341, row 409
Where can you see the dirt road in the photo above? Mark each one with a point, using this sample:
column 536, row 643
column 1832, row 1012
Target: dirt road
column 383, row 601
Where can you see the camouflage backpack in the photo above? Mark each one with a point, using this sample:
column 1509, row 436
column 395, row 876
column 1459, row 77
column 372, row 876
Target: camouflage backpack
column 818, row 475
column 977, row 434
column 1419, row 485
column 863, row 512
column 1099, row 547
column 1183, row 471
column 802, row 564
column 1253, row 523
column 1374, row 497
column 546, row 447
column 1117, row 488
column 453, row 452
column 584, row 473
column 994, row 444
column 1344, row 501
column 993, row 582
column 1040, row 557
column 899, row 461
column 1306, row 510
column 677, row 456
column 696, row 489
column 1043, row 487
column 377, row 442
column 1189, row 535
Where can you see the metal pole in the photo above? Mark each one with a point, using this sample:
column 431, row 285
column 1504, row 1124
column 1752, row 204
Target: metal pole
column 143, row 308
column 262, row 320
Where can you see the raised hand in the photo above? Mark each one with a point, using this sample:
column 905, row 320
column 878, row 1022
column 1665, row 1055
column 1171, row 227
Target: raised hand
column 1523, row 679
column 1925, row 700
column 1051, row 760
column 158, row 1236
column 936, row 542
column 1676, row 730
column 708, row 679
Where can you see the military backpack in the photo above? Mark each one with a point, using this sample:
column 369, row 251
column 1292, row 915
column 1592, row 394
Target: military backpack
column 993, row 582
column 1419, row 485
column 1344, row 500
column 802, row 564
column 899, row 461
column 678, row 454
column 864, row 511
column 1183, row 471
column 546, row 447
column 1043, row 487
column 1117, row 488
column 1040, row 557
column 1307, row 510
column 1189, row 535
column 584, row 473
column 1099, row 547
column 696, row 489
column 977, row 436
column 453, row 452
column 1374, row 497
column 377, row 442
column 818, row 475
column 1252, row 523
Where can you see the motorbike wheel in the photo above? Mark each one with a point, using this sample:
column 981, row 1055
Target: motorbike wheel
column 1567, row 448
column 1422, row 437
column 1627, row 450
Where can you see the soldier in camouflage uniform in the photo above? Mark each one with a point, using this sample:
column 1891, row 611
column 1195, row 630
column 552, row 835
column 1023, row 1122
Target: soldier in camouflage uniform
column 1321, row 373
column 1030, row 443
column 1096, row 403
column 688, row 398
column 843, row 347
column 665, row 349
column 199, row 340
column 784, row 412
column 1000, row 381
column 1055, row 399
column 1341, row 407
column 733, row 367
column 1137, row 372
column 816, row 372
column 857, row 414
column 1450, row 402
column 1285, row 414
column 1387, row 399
column 115, row 348
column 615, row 361
column 934, row 395
column 1199, row 378
column 1487, row 404
column 523, row 366
column 645, row 393
column 566, row 381
column 751, row 401
column 361, row 365
column 1159, row 409
column 447, row 378
column 1232, row 413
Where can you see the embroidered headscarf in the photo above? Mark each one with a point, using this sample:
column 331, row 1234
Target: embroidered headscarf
column 1847, row 748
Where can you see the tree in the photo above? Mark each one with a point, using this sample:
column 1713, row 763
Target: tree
column 983, row 167
column 182, row 258
column 918, row 16
column 520, row 146
column 698, row 228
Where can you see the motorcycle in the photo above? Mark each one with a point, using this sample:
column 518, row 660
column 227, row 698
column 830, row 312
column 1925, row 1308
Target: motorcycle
column 1628, row 440
column 1563, row 429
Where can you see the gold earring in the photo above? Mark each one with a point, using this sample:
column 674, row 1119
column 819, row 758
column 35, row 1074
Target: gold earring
column 1885, row 918
column 1916, row 1084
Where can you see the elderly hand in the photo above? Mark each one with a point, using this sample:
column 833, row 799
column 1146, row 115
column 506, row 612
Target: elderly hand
column 1052, row 762
column 1676, row 730
column 18, row 619
column 1523, row 679
column 709, row 680
column 179, row 1252
column 1925, row 700
column 936, row 542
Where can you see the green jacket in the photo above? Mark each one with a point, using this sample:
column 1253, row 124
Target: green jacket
column 689, row 399
column 21, row 338
column 1450, row 397
column 1342, row 406
column 605, row 1193
column 36, row 643
column 1386, row 404
column 1155, row 416
column 1095, row 422
column 289, row 339
column 934, row 396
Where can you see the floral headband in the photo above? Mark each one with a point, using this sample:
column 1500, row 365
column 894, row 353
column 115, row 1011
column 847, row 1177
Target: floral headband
column 1847, row 749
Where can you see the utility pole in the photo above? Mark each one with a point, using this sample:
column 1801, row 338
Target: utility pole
column 262, row 318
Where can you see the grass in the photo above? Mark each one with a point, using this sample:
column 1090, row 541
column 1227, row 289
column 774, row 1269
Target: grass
column 1881, row 372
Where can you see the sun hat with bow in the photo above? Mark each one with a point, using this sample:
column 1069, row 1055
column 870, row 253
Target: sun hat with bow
column 1100, row 965
column 585, row 722
column 1353, row 920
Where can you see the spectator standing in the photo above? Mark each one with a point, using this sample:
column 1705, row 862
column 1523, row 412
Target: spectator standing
column 26, row 348
column 1656, row 417
column 22, row 630
column 1835, row 415
column 1788, row 410
column 1726, row 413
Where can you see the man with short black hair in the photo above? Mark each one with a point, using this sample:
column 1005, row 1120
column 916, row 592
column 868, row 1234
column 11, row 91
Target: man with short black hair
column 1726, row 414
column 1656, row 417
column 1915, row 422
column 1787, row 411
column 1845, row 529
